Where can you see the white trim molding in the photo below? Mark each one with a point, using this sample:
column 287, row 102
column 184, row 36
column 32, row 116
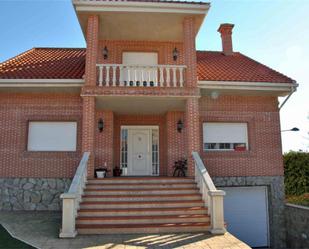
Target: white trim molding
column 127, row 6
column 41, row 83
column 247, row 86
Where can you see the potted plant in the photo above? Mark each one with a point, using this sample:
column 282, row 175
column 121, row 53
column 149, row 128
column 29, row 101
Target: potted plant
column 117, row 171
column 101, row 172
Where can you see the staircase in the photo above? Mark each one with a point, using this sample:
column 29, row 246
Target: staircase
column 142, row 205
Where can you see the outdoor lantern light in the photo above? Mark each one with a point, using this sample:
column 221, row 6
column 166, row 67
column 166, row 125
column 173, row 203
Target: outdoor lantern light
column 179, row 125
column 100, row 124
column 105, row 53
column 175, row 54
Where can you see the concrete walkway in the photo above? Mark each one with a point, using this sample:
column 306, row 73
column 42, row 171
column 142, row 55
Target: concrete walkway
column 41, row 229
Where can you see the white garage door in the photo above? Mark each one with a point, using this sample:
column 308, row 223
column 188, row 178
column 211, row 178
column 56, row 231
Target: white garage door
column 246, row 214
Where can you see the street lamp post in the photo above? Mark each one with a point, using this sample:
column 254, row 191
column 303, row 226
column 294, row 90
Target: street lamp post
column 293, row 129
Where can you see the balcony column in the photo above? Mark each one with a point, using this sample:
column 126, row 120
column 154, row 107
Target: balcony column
column 91, row 50
column 192, row 126
column 189, row 51
column 88, row 131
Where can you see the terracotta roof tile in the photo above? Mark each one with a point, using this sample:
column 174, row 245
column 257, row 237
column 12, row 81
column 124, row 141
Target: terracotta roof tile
column 45, row 63
column 215, row 66
column 69, row 63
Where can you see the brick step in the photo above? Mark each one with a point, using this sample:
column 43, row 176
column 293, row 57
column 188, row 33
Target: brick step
column 143, row 219
column 140, row 185
column 140, row 204
column 141, row 211
column 125, row 180
column 174, row 197
column 143, row 228
column 152, row 191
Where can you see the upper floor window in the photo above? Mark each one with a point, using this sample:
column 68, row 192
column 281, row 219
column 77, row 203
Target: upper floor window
column 225, row 136
column 52, row 136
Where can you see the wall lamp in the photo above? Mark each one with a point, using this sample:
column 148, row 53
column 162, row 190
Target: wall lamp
column 100, row 124
column 175, row 54
column 293, row 129
column 179, row 126
column 105, row 53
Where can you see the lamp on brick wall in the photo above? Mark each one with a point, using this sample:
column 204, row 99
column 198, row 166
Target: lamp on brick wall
column 105, row 53
column 175, row 54
column 179, row 125
column 100, row 124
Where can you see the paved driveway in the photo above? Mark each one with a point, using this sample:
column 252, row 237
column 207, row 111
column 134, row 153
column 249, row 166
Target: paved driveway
column 41, row 229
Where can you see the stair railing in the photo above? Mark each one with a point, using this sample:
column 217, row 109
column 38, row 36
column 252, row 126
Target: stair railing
column 71, row 199
column 212, row 197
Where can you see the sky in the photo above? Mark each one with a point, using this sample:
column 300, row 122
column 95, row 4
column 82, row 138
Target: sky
column 274, row 32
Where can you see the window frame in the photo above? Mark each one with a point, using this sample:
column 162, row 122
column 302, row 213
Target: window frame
column 218, row 143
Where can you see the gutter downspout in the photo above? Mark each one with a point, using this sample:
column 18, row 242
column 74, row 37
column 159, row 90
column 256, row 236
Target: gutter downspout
column 286, row 99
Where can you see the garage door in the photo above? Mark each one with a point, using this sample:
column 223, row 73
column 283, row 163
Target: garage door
column 246, row 214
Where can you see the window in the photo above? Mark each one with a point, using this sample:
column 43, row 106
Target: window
column 225, row 136
column 52, row 136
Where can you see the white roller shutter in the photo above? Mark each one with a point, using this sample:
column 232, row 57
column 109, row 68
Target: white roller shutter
column 52, row 136
column 225, row 133
column 246, row 214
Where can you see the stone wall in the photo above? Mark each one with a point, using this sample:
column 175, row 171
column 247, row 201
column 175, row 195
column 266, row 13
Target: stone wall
column 275, row 186
column 297, row 224
column 32, row 193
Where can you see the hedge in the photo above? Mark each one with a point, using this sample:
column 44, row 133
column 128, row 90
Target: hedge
column 296, row 173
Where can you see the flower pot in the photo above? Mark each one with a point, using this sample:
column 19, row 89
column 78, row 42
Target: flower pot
column 101, row 174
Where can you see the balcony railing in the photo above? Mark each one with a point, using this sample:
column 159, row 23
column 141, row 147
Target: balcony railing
column 141, row 75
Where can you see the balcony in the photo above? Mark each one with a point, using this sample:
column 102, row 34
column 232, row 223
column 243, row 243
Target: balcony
column 121, row 75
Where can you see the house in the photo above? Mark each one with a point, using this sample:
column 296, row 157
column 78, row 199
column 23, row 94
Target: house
column 140, row 97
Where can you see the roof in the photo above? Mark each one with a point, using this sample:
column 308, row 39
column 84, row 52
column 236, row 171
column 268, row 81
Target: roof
column 45, row 63
column 69, row 63
column 215, row 66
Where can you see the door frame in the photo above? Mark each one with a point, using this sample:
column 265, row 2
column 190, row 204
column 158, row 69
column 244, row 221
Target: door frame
column 142, row 127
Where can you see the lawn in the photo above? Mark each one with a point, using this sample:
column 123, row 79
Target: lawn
column 8, row 242
column 298, row 200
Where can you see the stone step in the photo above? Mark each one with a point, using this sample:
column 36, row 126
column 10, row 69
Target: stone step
column 143, row 219
column 141, row 211
column 143, row 228
column 140, row 204
column 152, row 191
column 173, row 197
column 125, row 180
column 141, row 185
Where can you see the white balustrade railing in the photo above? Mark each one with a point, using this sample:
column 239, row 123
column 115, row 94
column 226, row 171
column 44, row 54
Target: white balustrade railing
column 71, row 199
column 212, row 197
column 141, row 75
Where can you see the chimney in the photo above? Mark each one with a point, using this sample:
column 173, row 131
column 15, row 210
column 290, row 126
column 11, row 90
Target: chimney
column 225, row 30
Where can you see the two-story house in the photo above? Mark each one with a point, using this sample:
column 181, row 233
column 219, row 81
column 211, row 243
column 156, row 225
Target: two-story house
column 139, row 98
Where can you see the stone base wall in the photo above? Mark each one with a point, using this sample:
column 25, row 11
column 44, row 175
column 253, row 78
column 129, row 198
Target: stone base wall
column 275, row 186
column 32, row 193
column 297, row 223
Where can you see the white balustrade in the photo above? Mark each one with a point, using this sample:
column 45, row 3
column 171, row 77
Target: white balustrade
column 141, row 75
column 212, row 197
column 71, row 199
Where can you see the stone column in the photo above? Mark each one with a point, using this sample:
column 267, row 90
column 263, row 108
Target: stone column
column 189, row 51
column 192, row 126
column 92, row 50
column 88, row 131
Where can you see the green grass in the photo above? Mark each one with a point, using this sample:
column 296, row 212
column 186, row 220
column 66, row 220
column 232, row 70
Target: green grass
column 8, row 242
column 302, row 200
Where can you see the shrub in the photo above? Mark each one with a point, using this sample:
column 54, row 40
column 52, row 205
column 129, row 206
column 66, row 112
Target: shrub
column 296, row 172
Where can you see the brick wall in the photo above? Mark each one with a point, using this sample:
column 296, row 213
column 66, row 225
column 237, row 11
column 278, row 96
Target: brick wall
column 16, row 110
column 261, row 113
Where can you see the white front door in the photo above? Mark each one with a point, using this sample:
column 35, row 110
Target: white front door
column 139, row 152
